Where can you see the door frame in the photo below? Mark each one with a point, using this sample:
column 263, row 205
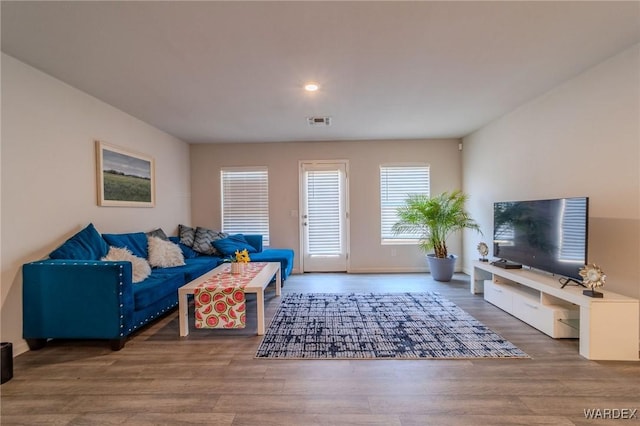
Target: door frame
column 301, row 207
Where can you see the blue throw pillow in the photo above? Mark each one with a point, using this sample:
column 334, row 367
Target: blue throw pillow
column 85, row 245
column 228, row 246
column 187, row 251
column 135, row 241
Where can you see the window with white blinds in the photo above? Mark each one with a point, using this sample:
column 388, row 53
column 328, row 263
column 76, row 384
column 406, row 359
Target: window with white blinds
column 245, row 201
column 324, row 213
column 397, row 182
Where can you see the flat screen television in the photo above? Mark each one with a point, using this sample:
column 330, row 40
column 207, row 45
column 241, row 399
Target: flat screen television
column 549, row 235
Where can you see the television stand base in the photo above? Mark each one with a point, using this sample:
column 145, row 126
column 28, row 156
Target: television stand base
column 592, row 293
column 607, row 328
column 566, row 281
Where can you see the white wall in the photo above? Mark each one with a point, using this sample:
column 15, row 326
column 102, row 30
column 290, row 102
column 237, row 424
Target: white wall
column 365, row 157
column 580, row 139
column 49, row 175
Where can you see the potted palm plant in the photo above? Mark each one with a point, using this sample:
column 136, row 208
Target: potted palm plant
column 433, row 219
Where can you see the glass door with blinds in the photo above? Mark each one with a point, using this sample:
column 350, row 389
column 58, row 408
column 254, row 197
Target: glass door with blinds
column 324, row 216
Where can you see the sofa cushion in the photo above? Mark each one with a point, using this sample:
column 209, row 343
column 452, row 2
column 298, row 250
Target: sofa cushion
column 156, row 287
column 255, row 240
column 135, row 241
column 139, row 266
column 228, row 246
column 187, row 251
column 164, row 253
column 284, row 256
column 186, row 235
column 193, row 268
column 85, row 245
column 203, row 239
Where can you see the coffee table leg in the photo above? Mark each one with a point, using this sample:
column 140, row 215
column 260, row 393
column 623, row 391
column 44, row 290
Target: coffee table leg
column 278, row 281
column 183, row 313
column 260, row 311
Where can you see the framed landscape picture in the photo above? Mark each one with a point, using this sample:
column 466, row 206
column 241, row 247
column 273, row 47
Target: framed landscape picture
column 125, row 178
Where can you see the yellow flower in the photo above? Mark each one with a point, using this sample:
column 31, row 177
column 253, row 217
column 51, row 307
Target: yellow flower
column 242, row 256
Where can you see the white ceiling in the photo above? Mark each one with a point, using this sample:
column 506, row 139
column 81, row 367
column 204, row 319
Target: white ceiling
column 211, row 72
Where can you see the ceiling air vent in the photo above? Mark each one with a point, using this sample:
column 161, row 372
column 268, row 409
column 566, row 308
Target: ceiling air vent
column 319, row 121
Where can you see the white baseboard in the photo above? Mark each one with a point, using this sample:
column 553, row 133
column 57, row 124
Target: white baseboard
column 400, row 270
column 388, row 270
column 20, row 348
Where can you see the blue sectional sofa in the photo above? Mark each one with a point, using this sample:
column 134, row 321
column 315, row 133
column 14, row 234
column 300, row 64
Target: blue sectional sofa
column 75, row 295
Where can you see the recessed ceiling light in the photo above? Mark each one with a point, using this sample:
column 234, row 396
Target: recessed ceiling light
column 311, row 87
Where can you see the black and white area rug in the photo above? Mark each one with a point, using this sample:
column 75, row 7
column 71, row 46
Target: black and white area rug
column 373, row 326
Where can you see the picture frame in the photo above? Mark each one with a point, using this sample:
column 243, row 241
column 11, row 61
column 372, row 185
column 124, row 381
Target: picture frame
column 124, row 178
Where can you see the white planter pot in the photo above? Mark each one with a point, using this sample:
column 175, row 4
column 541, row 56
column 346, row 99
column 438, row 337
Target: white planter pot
column 442, row 268
column 237, row 267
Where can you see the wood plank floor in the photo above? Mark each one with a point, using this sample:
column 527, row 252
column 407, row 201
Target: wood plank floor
column 211, row 377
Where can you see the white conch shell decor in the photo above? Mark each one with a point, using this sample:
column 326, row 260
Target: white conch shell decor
column 592, row 276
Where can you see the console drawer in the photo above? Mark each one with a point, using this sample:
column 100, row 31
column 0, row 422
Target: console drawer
column 498, row 295
column 534, row 314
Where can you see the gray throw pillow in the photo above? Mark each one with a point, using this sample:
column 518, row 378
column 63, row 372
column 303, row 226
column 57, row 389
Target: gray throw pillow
column 203, row 239
column 158, row 233
column 186, row 234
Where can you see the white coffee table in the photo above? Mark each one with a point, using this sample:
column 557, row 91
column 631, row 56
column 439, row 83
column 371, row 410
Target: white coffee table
column 256, row 285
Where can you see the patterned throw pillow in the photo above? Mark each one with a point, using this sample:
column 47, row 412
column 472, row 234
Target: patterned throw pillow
column 140, row 266
column 164, row 254
column 203, row 239
column 186, row 234
column 158, row 233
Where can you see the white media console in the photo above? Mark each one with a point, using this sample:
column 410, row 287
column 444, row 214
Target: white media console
column 608, row 328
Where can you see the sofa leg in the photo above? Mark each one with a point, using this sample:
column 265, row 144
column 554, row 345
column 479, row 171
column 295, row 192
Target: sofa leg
column 36, row 344
column 117, row 344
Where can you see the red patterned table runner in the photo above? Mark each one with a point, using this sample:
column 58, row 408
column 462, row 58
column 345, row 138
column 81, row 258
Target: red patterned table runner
column 220, row 300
